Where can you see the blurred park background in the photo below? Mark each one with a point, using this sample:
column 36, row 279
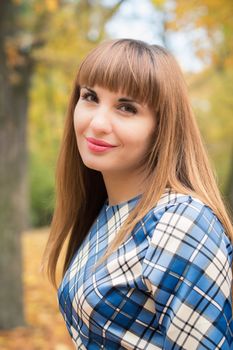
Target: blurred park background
column 41, row 45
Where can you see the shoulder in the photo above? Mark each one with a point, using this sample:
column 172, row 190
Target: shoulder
column 187, row 268
column 182, row 205
column 185, row 222
column 188, row 239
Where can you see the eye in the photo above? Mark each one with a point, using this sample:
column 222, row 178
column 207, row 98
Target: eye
column 89, row 96
column 128, row 108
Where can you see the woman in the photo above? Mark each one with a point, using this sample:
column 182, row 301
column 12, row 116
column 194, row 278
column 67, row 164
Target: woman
column 148, row 261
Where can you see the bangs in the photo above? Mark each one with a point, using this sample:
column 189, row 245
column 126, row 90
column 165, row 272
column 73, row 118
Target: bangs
column 121, row 66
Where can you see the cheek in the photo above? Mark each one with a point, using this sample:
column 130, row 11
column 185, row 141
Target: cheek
column 80, row 122
column 140, row 137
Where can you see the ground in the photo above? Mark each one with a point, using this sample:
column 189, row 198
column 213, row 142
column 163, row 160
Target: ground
column 45, row 329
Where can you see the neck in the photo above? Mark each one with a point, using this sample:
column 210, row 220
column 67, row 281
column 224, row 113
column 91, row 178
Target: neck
column 121, row 188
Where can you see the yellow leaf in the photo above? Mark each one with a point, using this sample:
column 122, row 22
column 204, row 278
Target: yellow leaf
column 158, row 2
column 52, row 5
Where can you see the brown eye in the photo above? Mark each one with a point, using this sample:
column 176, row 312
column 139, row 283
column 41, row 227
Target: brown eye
column 128, row 109
column 89, row 96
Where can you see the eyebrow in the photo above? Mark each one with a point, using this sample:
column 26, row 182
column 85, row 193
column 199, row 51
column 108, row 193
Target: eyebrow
column 122, row 99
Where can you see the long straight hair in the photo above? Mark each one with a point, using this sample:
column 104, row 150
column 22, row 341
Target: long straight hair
column 177, row 158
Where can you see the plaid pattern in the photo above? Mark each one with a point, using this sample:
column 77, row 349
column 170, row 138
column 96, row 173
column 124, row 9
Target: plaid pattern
column 168, row 286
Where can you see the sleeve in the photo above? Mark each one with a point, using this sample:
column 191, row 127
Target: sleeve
column 187, row 268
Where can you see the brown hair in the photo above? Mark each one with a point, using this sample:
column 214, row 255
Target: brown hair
column 177, row 158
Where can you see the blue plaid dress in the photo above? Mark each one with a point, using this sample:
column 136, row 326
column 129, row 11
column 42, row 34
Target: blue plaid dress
column 168, row 286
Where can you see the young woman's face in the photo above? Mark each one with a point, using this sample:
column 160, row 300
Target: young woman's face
column 113, row 132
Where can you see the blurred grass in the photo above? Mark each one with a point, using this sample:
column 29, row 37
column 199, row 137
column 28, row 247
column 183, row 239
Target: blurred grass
column 45, row 328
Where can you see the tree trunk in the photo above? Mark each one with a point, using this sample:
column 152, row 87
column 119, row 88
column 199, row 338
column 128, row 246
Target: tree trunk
column 14, row 86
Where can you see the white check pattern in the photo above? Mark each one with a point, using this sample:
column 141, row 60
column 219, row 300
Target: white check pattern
column 168, row 286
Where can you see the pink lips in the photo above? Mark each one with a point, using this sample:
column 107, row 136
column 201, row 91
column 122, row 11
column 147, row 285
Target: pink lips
column 98, row 145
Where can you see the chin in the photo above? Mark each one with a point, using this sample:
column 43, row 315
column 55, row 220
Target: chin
column 93, row 166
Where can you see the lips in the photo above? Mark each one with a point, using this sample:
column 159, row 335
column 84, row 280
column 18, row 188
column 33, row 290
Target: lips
column 99, row 142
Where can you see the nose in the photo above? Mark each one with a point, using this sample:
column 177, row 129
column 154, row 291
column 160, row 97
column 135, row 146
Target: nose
column 101, row 121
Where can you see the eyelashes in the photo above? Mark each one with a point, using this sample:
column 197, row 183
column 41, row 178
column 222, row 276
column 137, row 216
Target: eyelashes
column 128, row 108
column 86, row 95
column 124, row 107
